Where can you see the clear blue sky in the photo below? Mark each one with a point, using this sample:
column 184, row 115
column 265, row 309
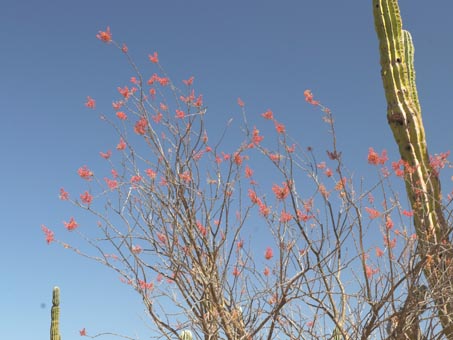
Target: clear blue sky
column 265, row 52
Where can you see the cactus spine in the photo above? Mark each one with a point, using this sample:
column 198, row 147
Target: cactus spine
column 55, row 315
column 422, row 181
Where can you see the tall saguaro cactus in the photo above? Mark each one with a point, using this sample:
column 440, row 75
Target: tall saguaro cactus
column 422, row 182
column 55, row 315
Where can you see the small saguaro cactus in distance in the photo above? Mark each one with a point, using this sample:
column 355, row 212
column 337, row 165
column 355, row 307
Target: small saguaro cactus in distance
column 55, row 315
column 186, row 335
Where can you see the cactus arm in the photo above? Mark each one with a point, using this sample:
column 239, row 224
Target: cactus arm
column 410, row 69
column 55, row 315
column 405, row 120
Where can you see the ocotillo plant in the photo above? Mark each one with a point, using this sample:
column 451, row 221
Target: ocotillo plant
column 55, row 315
column 421, row 175
column 185, row 207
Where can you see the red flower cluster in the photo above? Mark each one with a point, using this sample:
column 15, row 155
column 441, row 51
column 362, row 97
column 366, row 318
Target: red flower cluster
column 49, row 234
column 375, row 159
column 85, row 173
column 281, row 192
column 269, row 253
column 105, row 36
column 90, row 103
column 309, row 98
column 71, row 225
column 86, row 198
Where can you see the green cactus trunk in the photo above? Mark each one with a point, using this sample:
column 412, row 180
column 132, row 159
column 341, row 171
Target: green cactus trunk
column 422, row 182
column 55, row 315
